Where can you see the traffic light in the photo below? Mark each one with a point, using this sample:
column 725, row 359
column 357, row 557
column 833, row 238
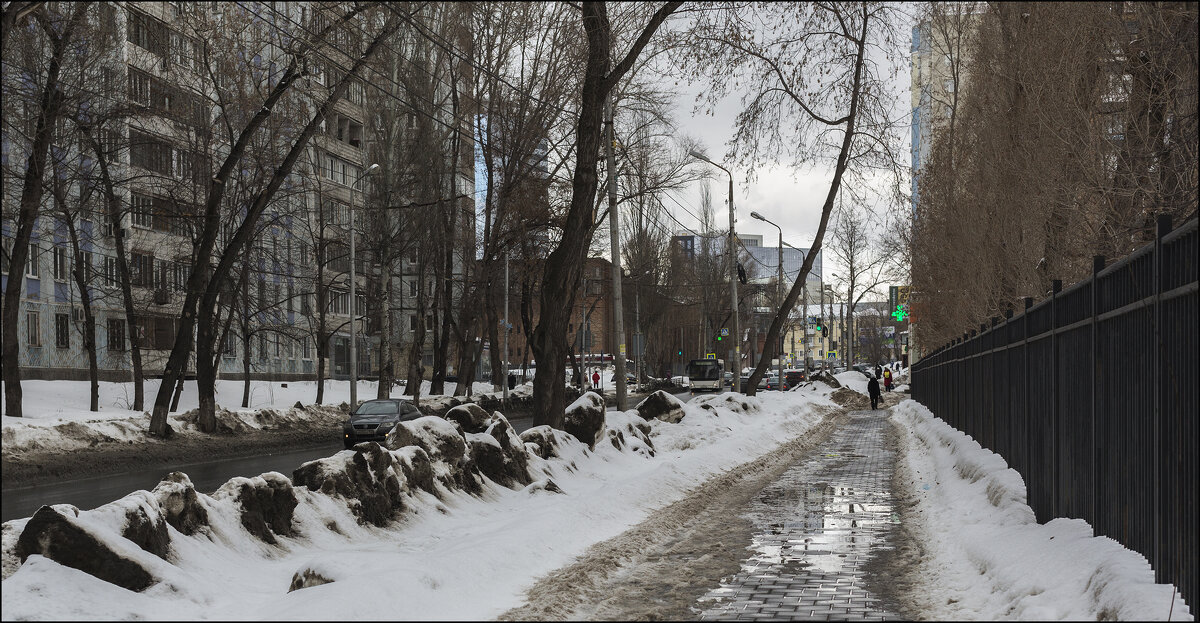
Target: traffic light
column 680, row 353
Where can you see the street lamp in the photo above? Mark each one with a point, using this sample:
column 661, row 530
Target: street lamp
column 778, row 298
column 732, row 254
column 353, row 302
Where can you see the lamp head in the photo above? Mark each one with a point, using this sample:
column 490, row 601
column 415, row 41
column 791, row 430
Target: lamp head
column 695, row 153
column 757, row 216
column 371, row 169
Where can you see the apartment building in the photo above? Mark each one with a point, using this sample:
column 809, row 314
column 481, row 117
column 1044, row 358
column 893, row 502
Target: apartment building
column 158, row 83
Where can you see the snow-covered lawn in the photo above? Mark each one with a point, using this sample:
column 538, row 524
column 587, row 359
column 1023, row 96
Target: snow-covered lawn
column 56, row 416
column 987, row 558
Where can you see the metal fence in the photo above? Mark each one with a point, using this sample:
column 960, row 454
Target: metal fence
column 1091, row 396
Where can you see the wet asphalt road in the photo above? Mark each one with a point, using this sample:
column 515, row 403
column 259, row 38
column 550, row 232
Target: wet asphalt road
column 88, row 493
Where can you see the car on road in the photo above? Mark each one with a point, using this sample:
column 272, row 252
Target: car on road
column 793, row 378
column 773, row 382
column 374, row 419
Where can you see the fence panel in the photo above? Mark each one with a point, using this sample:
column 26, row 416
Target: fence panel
column 1090, row 395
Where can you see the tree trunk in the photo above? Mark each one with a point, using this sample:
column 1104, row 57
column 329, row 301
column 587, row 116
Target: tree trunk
column 179, row 391
column 322, row 351
column 386, row 376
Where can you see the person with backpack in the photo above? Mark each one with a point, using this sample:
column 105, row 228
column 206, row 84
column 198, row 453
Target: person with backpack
column 887, row 379
column 873, row 389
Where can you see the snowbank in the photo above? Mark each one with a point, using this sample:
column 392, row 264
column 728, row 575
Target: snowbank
column 449, row 554
column 987, row 558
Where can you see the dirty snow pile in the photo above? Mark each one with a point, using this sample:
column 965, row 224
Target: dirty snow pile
column 455, row 519
column 986, row 557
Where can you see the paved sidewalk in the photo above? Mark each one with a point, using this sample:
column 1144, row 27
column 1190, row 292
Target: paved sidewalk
column 816, row 529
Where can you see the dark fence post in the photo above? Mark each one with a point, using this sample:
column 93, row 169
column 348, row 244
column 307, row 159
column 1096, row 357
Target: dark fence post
column 1097, row 379
column 1055, row 424
column 1027, row 452
column 1163, row 227
column 1006, row 430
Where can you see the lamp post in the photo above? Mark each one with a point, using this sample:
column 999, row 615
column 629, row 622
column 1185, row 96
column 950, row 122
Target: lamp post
column 804, row 317
column 731, row 253
column 778, row 299
column 353, row 302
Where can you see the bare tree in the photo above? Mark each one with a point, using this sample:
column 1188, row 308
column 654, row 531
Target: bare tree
column 853, row 247
column 565, row 263
column 808, row 78
column 44, row 94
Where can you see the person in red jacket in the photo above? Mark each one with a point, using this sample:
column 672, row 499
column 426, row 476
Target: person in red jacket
column 596, row 379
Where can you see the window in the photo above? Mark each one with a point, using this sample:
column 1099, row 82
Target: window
column 143, row 210
column 182, row 271
column 181, row 164
column 116, row 335
column 62, row 331
column 33, row 326
column 412, row 287
column 6, row 245
column 412, row 322
column 31, row 264
column 278, row 345
column 85, row 265
column 356, row 93
column 62, row 265
column 110, row 272
column 182, row 50
column 262, row 345
column 141, row 269
column 341, row 302
column 304, row 348
column 228, row 346
column 288, row 303
column 139, row 87
column 110, row 144
column 305, row 305
column 149, row 152
column 360, row 304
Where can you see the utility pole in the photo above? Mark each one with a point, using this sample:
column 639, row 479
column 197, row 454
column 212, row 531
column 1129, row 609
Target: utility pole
column 614, row 230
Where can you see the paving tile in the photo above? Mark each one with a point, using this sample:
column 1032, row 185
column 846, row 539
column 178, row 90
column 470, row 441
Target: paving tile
column 816, row 528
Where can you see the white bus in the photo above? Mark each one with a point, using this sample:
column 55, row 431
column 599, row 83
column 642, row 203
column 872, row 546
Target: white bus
column 705, row 375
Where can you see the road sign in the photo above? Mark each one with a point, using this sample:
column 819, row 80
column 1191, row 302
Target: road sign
column 831, row 354
column 710, row 355
column 724, row 332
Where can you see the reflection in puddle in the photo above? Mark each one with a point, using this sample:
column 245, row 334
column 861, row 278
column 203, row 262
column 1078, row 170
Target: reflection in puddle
column 816, row 527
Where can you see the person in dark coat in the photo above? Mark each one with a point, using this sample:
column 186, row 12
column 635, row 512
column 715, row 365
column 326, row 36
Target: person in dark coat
column 873, row 389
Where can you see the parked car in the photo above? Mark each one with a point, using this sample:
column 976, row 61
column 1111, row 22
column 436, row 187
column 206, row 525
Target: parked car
column 374, row 419
column 793, row 378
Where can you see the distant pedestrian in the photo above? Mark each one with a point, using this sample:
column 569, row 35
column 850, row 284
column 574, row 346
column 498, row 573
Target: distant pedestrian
column 873, row 389
column 596, row 379
column 878, row 370
column 887, row 379
column 512, row 381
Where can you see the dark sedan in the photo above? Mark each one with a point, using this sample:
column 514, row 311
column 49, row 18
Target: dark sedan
column 374, row 419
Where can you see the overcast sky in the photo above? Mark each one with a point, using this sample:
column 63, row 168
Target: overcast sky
column 790, row 198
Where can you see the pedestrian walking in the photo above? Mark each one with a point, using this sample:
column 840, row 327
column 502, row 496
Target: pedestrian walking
column 887, row 379
column 873, row 389
column 596, row 379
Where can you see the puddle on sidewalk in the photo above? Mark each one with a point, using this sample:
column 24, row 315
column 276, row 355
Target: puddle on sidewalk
column 817, row 527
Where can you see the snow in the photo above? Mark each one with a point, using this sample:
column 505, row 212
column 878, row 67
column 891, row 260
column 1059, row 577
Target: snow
column 56, row 418
column 457, row 558
column 986, row 557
